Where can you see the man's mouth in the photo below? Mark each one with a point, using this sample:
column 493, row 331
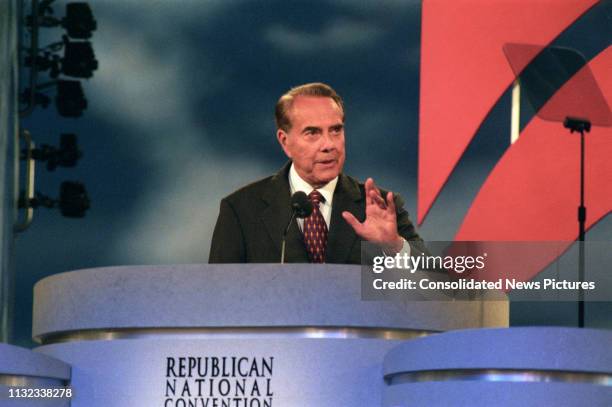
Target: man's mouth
column 326, row 162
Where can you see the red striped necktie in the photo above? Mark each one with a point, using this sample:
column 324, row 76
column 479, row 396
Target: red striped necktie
column 315, row 230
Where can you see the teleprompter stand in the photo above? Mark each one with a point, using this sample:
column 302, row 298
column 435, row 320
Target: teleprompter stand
column 580, row 126
column 560, row 87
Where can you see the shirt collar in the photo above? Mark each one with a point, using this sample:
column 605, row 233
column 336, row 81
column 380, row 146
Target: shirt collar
column 296, row 183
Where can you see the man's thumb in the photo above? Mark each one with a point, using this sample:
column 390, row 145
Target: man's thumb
column 352, row 220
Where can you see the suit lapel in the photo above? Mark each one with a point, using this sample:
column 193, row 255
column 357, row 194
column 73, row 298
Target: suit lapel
column 276, row 215
column 342, row 237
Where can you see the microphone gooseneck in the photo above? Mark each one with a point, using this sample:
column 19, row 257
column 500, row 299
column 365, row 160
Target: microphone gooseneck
column 301, row 207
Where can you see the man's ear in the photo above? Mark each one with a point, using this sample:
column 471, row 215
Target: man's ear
column 282, row 136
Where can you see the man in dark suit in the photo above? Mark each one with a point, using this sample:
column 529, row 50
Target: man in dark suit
column 310, row 123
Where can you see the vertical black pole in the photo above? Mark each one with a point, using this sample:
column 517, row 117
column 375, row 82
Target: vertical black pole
column 581, row 232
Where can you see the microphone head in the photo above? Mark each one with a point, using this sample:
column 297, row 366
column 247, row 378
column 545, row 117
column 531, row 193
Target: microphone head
column 301, row 205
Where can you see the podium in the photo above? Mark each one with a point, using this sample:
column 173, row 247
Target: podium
column 531, row 366
column 243, row 335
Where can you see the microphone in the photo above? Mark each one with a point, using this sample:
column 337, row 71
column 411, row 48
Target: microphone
column 301, row 207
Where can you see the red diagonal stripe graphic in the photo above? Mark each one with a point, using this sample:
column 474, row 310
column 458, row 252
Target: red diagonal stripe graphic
column 464, row 72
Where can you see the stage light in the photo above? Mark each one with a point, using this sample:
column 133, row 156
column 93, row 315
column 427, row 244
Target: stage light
column 79, row 21
column 73, row 201
column 70, row 100
column 67, row 155
column 79, row 59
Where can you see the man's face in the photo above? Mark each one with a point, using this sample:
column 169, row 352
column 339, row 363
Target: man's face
column 315, row 142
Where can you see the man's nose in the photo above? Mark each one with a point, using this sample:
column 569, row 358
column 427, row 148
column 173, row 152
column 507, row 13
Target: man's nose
column 327, row 142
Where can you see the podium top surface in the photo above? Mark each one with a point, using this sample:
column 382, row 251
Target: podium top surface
column 234, row 296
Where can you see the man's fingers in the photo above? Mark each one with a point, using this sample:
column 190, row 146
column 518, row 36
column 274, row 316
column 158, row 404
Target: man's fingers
column 370, row 185
column 376, row 188
column 390, row 202
column 352, row 220
column 369, row 188
column 378, row 199
column 373, row 195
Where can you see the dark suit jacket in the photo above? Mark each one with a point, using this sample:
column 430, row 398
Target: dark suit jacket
column 251, row 222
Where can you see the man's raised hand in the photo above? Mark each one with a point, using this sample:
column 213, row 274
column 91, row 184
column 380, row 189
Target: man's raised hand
column 380, row 224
